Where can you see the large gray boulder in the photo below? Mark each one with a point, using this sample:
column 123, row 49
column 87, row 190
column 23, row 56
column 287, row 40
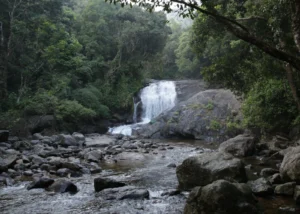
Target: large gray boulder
column 207, row 168
column 221, row 197
column 239, row 146
column 290, row 167
column 7, row 161
column 68, row 140
column 210, row 115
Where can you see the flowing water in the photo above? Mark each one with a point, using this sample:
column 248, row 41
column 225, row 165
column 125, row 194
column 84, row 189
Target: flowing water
column 155, row 99
column 147, row 171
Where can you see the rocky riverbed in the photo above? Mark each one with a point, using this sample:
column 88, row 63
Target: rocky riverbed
column 120, row 174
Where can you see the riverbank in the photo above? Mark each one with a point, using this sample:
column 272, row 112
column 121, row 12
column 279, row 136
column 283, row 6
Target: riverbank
column 146, row 167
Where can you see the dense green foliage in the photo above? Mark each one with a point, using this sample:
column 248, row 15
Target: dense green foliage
column 77, row 60
column 238, row 65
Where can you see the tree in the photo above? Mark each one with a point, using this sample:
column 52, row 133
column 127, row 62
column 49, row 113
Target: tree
column 229, row 15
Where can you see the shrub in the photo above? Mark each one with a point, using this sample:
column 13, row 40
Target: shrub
column 72, row 111
column 269, row 105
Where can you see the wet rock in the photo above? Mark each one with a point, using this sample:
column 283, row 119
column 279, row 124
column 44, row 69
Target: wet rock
column 277, row 144
column 290, row 167
column 134, row 194
column 268, row 172
column 54, row 161
column 40, row 183
column 128, row 192
column 172, row 165
column 239, row 146
column 94, row 156
column 207, row 168
column 71, row 166
column 261, row 187
column 37, row 136
column 221, row 197
column 285, row 189
column 20, row 166
column 35, row 159
column 105, row 183
column 67, row 140
column 275, row 179
column 28, row 173
column 79, row 137
column 99, row 141
column 288, row 210
column 5, row 145
column 62, row 186
column 4, row 134
column 7, row 161
column 297, row 194
column 12, row 139
column 171, row 192
column 13, row 173
column 22, row 145
column 46, row 167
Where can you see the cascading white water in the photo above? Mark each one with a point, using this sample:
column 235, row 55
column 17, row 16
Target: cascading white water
column 155, row 99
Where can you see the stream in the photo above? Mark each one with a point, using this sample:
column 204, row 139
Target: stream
column 147, row 171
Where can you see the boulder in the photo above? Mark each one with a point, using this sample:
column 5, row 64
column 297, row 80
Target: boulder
column 239, row 146
column 285, row 189
column 105, row 183
column 94, row 156
column 207, row 168
column 297, row 194
column 290, row 166
column 67, row 140
column 40, row 183
column 203, row 116
column 275, row 179
column 71, row 166
column 261, row 187
column 7, row 161
column 79, row 137
column 62, row 186
column 266, row 172
column 126, row 192
column 221, row 197
column 4, row 134
column 22, row 145
column 63, row 172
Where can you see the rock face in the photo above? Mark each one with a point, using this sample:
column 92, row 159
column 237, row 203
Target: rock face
column 290, row 167
column 105, row 183
column 239, row 146
column 207, row 168
column 221, row 197
column 208, row 115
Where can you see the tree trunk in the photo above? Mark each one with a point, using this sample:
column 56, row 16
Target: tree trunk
column 295, row 16
column 289, row 74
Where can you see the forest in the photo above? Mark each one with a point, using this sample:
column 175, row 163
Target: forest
column 82, row 61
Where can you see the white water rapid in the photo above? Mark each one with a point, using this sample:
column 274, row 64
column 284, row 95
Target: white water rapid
column 155, row 99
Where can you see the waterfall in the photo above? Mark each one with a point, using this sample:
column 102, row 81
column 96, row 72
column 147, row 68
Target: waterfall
column 155, row 99
column 135, row 111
